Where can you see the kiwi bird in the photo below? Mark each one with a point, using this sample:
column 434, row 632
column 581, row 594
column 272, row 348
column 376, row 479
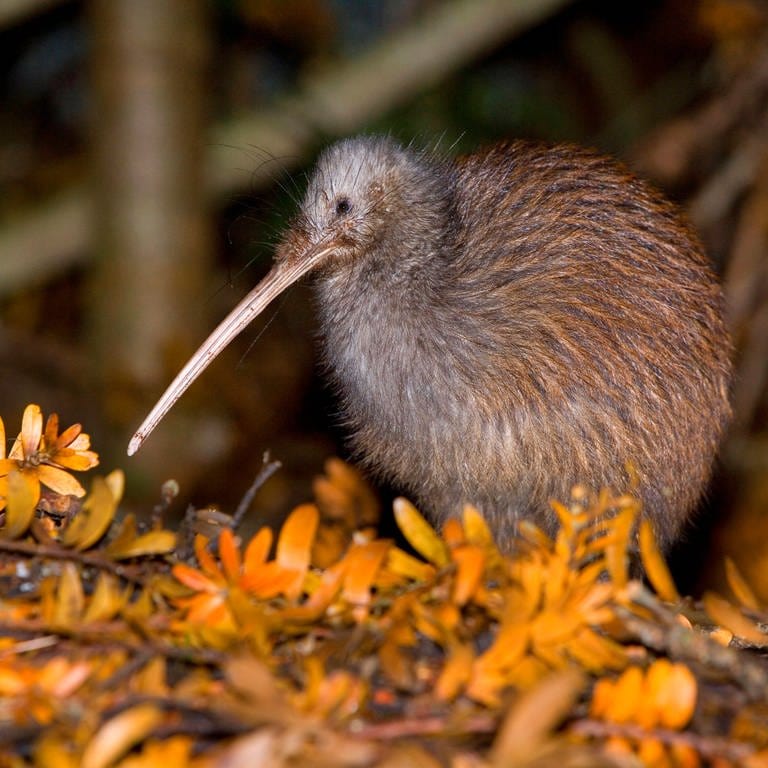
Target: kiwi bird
column 505, row 325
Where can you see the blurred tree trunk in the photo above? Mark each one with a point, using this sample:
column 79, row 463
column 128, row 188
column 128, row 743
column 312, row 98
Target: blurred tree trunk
column 149, row 62
column 13, row 11
column 331, row 102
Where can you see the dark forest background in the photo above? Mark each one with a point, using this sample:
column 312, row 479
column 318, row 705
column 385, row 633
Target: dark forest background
column 152, row 151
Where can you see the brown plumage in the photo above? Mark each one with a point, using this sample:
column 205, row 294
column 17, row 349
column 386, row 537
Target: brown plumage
column 503, row 326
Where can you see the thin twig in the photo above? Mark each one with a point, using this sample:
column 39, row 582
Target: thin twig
column 34, row 549
column 169, row 491
column 28, row 646
column 666, row 634
column 111, row 636
column 426, row 726
column 707, row 746
column 268, row 469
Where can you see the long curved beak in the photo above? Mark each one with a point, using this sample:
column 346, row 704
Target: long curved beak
column 282, row 275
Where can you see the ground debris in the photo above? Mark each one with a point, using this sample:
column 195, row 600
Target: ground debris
column 323, row 644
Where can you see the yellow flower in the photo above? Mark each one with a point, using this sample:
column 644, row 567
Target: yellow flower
column 43, row 456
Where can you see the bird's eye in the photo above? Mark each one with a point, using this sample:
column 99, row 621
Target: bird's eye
column 343, row 206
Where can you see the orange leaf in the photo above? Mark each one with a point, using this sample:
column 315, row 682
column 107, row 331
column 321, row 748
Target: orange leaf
column 618, row 745
column 652, row 752
column 173, row 752
column 294, row 545
column 12, row 682
column 456, row 671
column 55, row 750
column 739, row 586
column 677, row 700
column 209, row 610
column 552, row 656
column 62, row 678
column 530, row 671
column 507, row 649
column 23, row 495
column 565, row 517
column 531, row 533
column 531, row 576
column 593, row 604
column 343, row 475
column 363, row 562
column 70, row 598
column 31, row 429
column 595, row 652
column 331, row 542
column 470, row 562
column 627, row 692
column 359, row 494
column 420, row 534
column 93, row 520
column 425, row 621
column 406, row 565
column 486, row 687
column 338, row 692
column 602, row 697
column 655, row 567
column 722, row 636
column 556, row 581
column 194, row 579
column 229, row 554
column 106, row 600
column 81, row 444
column 204, row 557
column 447, row 616
column 142, row 607
column 649, row 705
column 321, row 598
column 335, row 502
column 152, row 543
column 730, row 617
column 271, row 580
column 253, row 678
column 475, row 527
column 257, row 551
column 396, row 665
column 151, row 679
column 553, row 627
column 59, row 481
column 617, row 547
column 119, row 734
column 528, row 725
column 65, row 438
column 686, row 756
column 125, row 534
column 80, row 461
column 453, row 532
column 115, row 480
